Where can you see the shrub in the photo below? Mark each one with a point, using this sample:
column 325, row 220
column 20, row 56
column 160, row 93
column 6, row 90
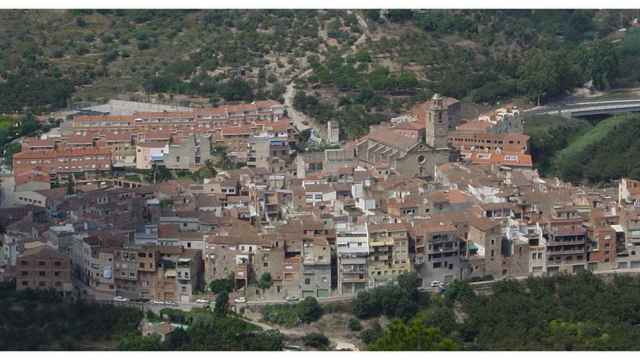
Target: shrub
column 372, row 334
column 354, row 324
column 316, row 340
column 309, row 310
column 281, row 314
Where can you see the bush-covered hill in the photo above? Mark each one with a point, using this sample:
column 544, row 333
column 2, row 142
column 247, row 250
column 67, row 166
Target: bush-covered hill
column 550, row 134
column 366, row 65
column 576, row 151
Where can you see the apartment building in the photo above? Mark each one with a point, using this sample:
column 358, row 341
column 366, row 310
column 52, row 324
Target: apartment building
column 316, row 268
column 188, row 153
column 352, row 248
column 388, row 252
column 58, row 165
column 43, row 268
column 567, row 245
column 437, row 251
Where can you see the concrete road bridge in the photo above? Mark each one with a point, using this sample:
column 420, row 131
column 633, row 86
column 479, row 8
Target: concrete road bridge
column 589, row 108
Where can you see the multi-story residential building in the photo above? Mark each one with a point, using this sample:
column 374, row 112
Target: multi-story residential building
column 188, row 153
column 352, row 248
column 43, row 268
column 567, row 245
column 316, row 268
column 149, row 153
column 437, row 251
column 388, row 252
column 58, row 165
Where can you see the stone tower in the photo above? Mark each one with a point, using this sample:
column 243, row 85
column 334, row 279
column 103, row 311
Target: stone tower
column 437, row 126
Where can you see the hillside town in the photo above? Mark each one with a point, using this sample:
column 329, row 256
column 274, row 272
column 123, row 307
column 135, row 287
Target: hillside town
column 426, row 192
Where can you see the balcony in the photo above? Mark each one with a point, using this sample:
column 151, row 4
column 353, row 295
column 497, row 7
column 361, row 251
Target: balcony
column 381, row 242
column 353, row 279
column 566, row 251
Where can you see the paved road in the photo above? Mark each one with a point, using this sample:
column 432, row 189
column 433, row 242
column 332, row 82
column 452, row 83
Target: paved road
column 295, row 116
column 574, row 105
column 7, row 185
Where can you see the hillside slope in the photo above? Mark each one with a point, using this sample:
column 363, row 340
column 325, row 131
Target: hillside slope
column 358, row 66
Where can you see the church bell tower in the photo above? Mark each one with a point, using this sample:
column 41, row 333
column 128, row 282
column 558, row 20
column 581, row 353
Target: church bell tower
column 437, row 126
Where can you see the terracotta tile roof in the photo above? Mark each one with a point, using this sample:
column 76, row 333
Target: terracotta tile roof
column 474, row 125
column 433, row 226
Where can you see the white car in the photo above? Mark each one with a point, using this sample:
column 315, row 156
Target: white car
column 241, row 300
column 120, row 299
column 202, row 301
column 292, row 298
column 435, row 283
column 157, row 302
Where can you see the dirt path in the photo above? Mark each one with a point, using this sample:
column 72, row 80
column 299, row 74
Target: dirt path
column 296, row 116
column 337, row 342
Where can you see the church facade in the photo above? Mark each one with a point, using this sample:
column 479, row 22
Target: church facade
column 411, row 148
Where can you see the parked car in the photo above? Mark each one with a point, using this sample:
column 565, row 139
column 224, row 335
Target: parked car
column 292, row 298
column 157, row 302
column 202, row 301
column 171, row 303
column 120, row 299
column 435, row 283
column 240, row 300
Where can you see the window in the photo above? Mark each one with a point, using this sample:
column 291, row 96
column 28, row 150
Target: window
column 492, row 253
column 41, row 263
column 265, row 264
column 307, row 281
column 56, row 274
column 24, row 273
column 41, row 273
column 141, row 265
column 25, row 283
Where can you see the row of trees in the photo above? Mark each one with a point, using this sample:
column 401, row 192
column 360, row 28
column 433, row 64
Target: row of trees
column 306, row 311
column 208, row 331
column 36, row 320
column 581, row 312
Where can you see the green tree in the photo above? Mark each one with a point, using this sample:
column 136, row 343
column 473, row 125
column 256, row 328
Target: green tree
column 413, row 337
column 140, row 343
column 220, row 285
column 316, row 340
column 309, row 310
column 354, row 324
column 9, row 151
column 265, row 281
column 222, row 303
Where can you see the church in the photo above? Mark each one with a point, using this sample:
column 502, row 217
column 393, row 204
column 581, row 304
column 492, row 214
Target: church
column 411, row 147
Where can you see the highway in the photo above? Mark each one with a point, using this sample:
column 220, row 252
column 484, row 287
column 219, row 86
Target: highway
column 586, row 108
